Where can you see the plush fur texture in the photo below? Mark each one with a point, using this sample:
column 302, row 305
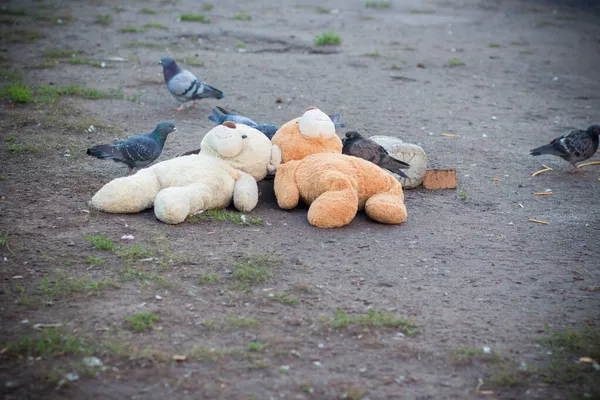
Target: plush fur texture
column 336, row 186
column 181, row 186
column 316, row 135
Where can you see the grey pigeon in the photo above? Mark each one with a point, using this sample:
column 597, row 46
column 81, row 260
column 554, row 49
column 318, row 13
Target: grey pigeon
column 184, row 85
column 136, row 151
column 268, row 130
column 358, row 146
column 573, row 147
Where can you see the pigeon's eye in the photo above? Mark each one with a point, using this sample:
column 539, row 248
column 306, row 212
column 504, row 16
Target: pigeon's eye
column 244, row 137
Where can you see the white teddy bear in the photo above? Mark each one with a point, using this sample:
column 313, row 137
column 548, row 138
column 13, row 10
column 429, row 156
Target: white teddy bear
column 232, row 159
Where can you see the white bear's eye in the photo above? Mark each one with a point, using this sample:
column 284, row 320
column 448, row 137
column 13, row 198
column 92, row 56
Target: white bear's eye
column 244, row 136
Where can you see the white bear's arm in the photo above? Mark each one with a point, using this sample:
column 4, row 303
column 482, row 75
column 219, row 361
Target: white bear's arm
column 275, row 158
column 128, row 194
column 245, row 192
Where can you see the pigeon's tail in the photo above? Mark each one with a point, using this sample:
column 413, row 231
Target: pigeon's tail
column 335, row 118
column 395, row 166
column 216, row 117
column 222, row 110
column 547, row 149
column 269, row 130
column 210, row 91
column 104, row 151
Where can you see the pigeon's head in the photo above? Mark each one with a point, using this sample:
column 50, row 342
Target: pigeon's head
column 164, row 128
column 315, row 123
column 353, row 135
column 594, row 130
column 167, row 61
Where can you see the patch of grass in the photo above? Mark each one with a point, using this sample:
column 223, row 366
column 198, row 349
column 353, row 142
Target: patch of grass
column 45, row 64
column 378, row 4
column 22, row 148
column 145, row 45
column 507, row 374
column 49, row 342
column 100, row 242
column 421, row 11
column 373, row 318
column 7, row 20
column 242, row 16
column 131, row 29
column 241, row 322
column 354, row 393
column 208, row 279
column 373, row 54
column 59, row 53
column 94, row 260
column 567, row 348
column 148, row 11
column 323, row 10
column 11, row 75
column 135, row 252
column 207, row 7
column 396, row 67
column 104, row 19
column 24, row 35
column 195, row 18
column 494, row 45
column 468, row 355
column 119, row 9
column 453, row 62
column 62, row 285
column 155, row 26
column 239, row 44
column 19, row 11
column 328, row 39
column 254, row 346
column 284, row 299
column 4, row 240
column 17, row 92
column 79, row 60
column 78, row 90
column 526, row 52
column 141, row 321
column 204, row 354
column 223, row 215
column 254, row 270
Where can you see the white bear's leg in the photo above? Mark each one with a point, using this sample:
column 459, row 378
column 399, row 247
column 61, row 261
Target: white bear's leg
column 173, row 205
column 128, row 194
column 245, row 193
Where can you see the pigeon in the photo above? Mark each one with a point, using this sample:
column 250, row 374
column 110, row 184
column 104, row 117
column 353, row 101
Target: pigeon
column 268, row 130
column 573, row 147
column 356, row 145
column 136, row 151
column 184, row 85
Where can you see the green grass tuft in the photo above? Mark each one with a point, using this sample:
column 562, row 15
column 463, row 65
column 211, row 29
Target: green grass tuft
column 222, row 215
column 421, row 12
column 94, row 260
column 242, row 16
column 48, row 342
column 145, row 45
column 148, row 11
column 17, row 92
column 131, row 29
column 195, row 18
column 253, row 346
column 468, row 355
column 494, row 45
column 155, row 26
column 373, row 318
column 378, row 4
column 4, row 240
column 62, row 285
column 241, row 322
column 328, row 39
column 105, row 19
column 373, row 54
column 254, row 270
column 208, row 279
column 141, row 321
column 323, row 10
column 453, row 62
column 284, row 299
column 207, row 7
column 59, row 53
column 135, row 252
column 100, row 242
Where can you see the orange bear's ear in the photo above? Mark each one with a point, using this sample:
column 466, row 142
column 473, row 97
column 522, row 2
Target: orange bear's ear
column 229, row 124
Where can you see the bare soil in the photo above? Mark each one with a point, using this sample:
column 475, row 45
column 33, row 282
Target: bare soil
column 467, row 266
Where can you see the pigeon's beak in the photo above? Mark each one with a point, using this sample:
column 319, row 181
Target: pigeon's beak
column 174, row 129
column 160, row 62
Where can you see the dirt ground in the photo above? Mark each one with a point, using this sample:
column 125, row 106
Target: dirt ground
column 467, row 267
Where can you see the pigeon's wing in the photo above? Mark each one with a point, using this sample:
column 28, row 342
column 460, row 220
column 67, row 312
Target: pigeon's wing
column 571, row 144
column 204, row 90
column 224, row 111
column 139, row 150
column 184, row 85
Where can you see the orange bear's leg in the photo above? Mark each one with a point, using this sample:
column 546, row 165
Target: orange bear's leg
column 388, row 207
column 286, row 190
column 337, row 206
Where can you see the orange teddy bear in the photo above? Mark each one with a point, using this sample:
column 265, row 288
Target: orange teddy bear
column 336, row 186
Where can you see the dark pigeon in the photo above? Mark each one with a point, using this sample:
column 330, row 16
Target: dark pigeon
column 184, row 85
column 358, row 146
column 573, row 147
column 136, row 151
column 268, row 130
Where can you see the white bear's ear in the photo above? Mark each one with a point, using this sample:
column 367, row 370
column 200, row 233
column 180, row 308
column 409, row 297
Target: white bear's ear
column 229, row 124
column 315, row 123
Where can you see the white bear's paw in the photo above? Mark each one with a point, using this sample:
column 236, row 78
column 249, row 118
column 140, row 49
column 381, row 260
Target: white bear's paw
column 170, row 208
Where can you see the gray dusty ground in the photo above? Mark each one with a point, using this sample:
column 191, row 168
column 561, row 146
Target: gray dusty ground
column 467, row 265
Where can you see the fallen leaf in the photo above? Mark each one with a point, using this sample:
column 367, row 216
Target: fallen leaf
column 587, row 360
column 496, row 179
column 538, row 221
column 486, row 392
column 542, row 194
column 449, row 135
column 177, row 357
column 592, row 288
